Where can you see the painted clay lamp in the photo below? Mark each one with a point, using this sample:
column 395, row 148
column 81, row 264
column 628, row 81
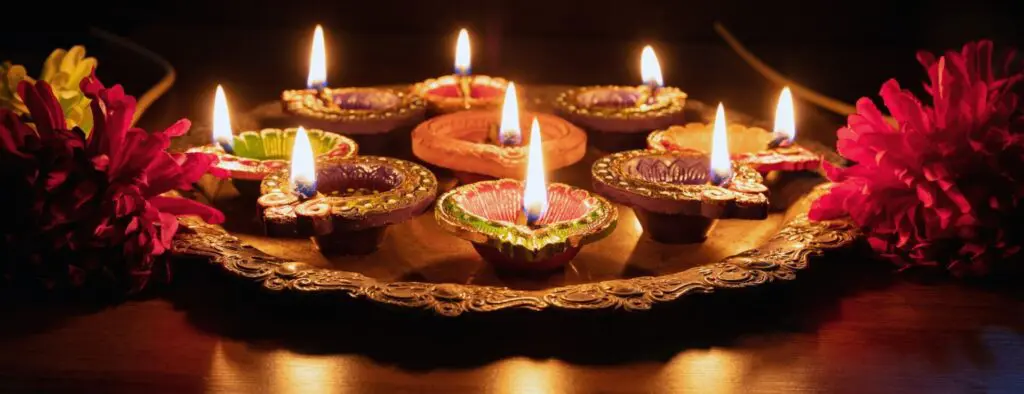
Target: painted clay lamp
column 526, row 227
column 461, row 90
column 620, row 117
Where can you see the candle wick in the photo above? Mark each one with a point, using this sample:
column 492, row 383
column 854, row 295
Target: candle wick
column 780, row 140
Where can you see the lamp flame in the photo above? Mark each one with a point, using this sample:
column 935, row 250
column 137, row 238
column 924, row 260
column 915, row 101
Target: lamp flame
column 508, row 132
column 303, row 170
column 535, row 193
column 721, row 166
column 222, row 121
column 317, row 78
column 462, row 53
column 785, row 118
column 650, row 69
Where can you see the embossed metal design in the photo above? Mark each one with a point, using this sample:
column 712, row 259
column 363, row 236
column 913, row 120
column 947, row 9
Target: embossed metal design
column 258, row 154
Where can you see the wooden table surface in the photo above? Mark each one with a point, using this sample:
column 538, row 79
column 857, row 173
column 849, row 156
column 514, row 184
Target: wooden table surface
column 859, row 328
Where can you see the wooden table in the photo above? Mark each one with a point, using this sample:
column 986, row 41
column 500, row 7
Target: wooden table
column 860, row 329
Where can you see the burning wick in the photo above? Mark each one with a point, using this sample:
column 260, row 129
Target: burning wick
column 317, row 78
column 785, row 121
column 303, row 171
column 222, row 134
column 650, row 72
column 721, row 165
column 535, row 192
column 462, row 66
column 508, row 131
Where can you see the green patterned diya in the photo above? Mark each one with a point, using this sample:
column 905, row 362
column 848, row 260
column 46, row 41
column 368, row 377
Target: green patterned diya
column 257, row 154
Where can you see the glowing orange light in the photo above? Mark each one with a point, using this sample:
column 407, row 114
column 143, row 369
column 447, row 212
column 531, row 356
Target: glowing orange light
column 650, row 69
column 222, row 120
column 303, row 169
column 721, row 166
column 785, row 117
column 462, row 53
column 508, row 132
column 317, row 61
column 535, row 193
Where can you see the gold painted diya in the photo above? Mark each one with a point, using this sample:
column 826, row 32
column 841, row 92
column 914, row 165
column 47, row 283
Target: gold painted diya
column 487, row 214
column 673, row 194
column 755, row 147
column 451, row 93
column 620, row 117
column 353, row 111
column 356, row 199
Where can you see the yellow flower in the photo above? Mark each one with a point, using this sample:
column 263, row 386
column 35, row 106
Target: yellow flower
column 64, row 71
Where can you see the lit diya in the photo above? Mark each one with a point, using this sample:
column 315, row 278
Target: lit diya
column 621, row 116
column 251, row 155
column 481, row 144
column 344, row 204
column 359, row 112
column 462, row 90
column 679, row 195
column 753, row 146
column 526, row 226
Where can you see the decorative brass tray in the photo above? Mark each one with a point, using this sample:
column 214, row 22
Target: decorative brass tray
column 419, row 266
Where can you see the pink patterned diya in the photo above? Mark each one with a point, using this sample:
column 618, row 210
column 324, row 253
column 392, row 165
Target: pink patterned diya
column 466, row 143
column 752, row 146
column 356, row 198
column 488, row 215
column 461, row 91
column 673, row 194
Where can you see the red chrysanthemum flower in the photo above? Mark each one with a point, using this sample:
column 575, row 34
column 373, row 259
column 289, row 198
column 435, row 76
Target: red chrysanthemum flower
column 945, row 186
column 91, row 207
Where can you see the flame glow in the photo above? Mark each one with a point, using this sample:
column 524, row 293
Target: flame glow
column 721, row 166
column 303, row 170
column 462, row 53
column 317, row 61
column 509, row 132
column 785, row 118
column 221, row 119
column 535, row 193
column 650, row 69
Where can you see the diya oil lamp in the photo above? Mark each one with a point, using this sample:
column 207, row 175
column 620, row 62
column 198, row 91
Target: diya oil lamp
column 679, row 195
column 480, row 145
column 343, row 204
column 753, row 146
column 461, row 90
column 620, row 117
column 526, row 226
column 250, row 156
column 369, row 115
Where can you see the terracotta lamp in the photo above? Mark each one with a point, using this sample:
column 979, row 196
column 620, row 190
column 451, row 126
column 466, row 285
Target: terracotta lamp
column 461, row 90
column 480, row 145
column 619, row 117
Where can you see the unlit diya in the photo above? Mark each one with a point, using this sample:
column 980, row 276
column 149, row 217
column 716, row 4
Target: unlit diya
column 672, row 194
column 452, row 93
column 466, row 143
column 752, row 146
column 488, row 215
column 620, row 117
column 356, row 199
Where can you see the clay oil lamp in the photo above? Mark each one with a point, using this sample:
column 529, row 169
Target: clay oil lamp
column 755, row 147
column 461, row 90
column 679, row 195
column 481, row 145
column 526, row 226
column 620, row 117
column 369, row 115
column 343, row 204
column 250, row 156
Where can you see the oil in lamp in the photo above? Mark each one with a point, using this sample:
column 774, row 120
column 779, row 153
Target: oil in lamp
column 678, row 195
column 461, row 90
column 488, row 144
column 343, row 204
column 619, row 117
column 526, row 226
column 370, row 115
column 753, row 146
column 250, row 155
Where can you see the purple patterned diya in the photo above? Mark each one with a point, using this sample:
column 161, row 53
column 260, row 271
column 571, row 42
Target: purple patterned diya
column 367, row 114
column 462, row 90
column 620, row 117
column 353, row 202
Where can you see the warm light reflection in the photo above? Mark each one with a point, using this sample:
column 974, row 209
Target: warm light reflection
column 535, row 193
column 462, row 53
column 303, row 170
column 508, row 132
column 705, row 371
column 721, row 166
column 221, row 119
column 524, row 376
column 317, row 78
column 785, row 118
column 650, row 69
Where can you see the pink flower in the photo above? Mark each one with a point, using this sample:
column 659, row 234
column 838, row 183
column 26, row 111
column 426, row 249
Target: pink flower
column 944, row 187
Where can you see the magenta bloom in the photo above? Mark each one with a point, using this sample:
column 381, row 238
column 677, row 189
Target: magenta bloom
column 945, row 186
